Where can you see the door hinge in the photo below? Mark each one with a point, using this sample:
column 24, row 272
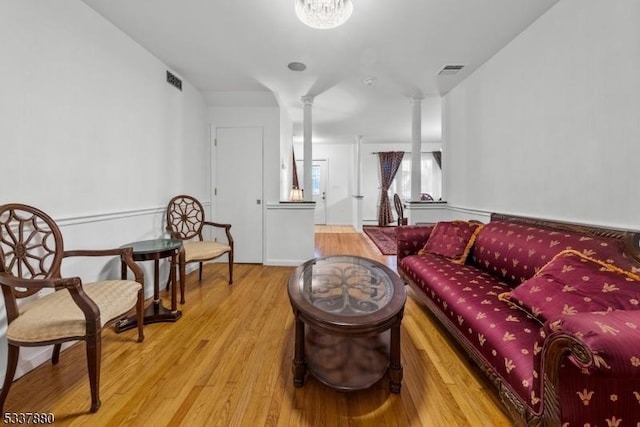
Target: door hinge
column 215, row 191
column 215, row 142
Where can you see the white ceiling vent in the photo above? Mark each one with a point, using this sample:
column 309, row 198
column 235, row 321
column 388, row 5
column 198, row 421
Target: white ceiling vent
column 450, row 70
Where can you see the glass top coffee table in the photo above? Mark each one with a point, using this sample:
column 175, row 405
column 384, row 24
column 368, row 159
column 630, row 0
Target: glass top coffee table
column 352, row 308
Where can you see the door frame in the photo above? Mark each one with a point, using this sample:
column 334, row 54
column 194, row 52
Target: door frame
column 214, row 184
column 325, row 164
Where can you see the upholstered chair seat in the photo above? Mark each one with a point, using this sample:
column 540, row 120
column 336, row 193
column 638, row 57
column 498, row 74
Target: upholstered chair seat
column 57, row 316
column 200, row 251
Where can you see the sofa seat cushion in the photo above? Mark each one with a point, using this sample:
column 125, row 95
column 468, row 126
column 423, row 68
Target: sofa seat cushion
column 515, row 252
column 500, row 334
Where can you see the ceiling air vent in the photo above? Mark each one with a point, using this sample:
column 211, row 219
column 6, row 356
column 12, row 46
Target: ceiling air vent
column 450, row 70
column 173, row 80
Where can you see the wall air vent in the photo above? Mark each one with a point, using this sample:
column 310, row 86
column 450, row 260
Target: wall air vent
column 173, row 80
column 450, row 70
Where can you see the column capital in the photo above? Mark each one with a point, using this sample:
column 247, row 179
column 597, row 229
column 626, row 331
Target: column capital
column 307, row 99
column 416, row 99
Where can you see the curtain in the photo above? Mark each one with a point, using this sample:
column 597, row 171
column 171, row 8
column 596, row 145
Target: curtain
column 294, row 181
column 438, row 156
column 389, row 163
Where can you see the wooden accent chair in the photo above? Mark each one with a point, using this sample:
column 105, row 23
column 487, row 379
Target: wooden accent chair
column 31, row 253
column 185, row 221
column 399, row 209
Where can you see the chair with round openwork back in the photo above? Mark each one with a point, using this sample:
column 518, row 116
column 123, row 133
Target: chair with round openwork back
column 31, row 255
column 399, row 209
column 186, row 221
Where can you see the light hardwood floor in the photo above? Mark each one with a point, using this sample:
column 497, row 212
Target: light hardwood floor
column 227, row 362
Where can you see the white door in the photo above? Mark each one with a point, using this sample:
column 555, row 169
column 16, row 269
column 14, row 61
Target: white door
column 237, row 188
column 318, row 188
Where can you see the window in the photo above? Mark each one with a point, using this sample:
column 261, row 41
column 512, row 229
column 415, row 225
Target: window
column 315, row 180
column 431, row 179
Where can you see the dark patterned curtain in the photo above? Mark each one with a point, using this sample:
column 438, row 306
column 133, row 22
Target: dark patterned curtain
column 294, row 181
column 389, row 164
column 438, row 156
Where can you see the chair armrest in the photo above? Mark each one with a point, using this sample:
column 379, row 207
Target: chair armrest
column 8, row 279
column 125, row 254
column 227, row 229
column 72, row 284
column 411, row 238
column 605, row 347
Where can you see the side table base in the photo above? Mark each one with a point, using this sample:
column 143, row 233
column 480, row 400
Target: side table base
column 154, row 313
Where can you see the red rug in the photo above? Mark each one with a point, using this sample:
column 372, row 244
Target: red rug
column 383, row 237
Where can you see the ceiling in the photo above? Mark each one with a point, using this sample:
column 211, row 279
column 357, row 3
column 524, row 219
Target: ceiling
column 238, row 51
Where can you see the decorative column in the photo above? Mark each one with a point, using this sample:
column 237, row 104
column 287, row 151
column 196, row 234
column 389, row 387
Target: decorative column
column 357, row 197
column 307, row 151
column 416, row 148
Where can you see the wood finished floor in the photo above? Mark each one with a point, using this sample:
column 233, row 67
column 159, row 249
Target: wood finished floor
column 227, row 362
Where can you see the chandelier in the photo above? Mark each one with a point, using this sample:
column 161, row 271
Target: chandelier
column 323, row 14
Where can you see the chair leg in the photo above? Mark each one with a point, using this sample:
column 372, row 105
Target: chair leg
column 183, row 274
column 140, row 315
column 12, row 363
column 55, row 356
column 94, row 355
column 231, row 267
column 200, row 273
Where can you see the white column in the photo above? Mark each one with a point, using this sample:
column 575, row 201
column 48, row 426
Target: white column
column 359, row 165
column 357, row 197
column 416, row 148
column 307, row 151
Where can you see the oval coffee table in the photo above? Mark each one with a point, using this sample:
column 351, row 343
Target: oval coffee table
column 352, row 308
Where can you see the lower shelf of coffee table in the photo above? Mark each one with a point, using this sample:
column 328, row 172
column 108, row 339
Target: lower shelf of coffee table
column 347, row 363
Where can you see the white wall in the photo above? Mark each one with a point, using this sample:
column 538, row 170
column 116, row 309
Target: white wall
column 91, row 133
column 550, row 126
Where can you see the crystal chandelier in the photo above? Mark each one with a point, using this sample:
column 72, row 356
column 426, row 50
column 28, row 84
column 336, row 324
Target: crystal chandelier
column 323, row 14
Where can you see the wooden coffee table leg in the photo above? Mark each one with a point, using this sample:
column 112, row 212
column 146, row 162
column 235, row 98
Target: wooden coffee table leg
column 299, row 366
column 395, row 367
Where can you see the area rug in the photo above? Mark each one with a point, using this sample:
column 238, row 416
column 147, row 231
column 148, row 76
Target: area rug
column 383, row 237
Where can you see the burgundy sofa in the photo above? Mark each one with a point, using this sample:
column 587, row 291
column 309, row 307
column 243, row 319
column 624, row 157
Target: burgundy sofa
column 576, row 368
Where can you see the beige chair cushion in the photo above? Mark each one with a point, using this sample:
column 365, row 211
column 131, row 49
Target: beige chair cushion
column 57, row 316
column 202, row 251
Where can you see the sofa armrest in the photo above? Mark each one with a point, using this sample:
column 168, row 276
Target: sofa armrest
column 603, row 351
column 411, row 238
column 608, row 341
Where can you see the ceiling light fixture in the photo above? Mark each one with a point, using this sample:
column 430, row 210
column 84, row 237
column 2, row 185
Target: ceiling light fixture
column 297, row 66
column 323, row 14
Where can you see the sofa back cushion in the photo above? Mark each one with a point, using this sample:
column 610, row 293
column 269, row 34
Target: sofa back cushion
column 514, row 252
column 573, row 283
column 452, row 240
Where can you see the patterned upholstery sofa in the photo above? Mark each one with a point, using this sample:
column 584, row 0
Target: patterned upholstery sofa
column 548, row 311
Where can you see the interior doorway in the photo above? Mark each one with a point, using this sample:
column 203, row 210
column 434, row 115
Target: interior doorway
column 237, row 188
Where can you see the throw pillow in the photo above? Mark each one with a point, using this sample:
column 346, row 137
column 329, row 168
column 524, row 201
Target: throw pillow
column 573, row 283
column 452, row 240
